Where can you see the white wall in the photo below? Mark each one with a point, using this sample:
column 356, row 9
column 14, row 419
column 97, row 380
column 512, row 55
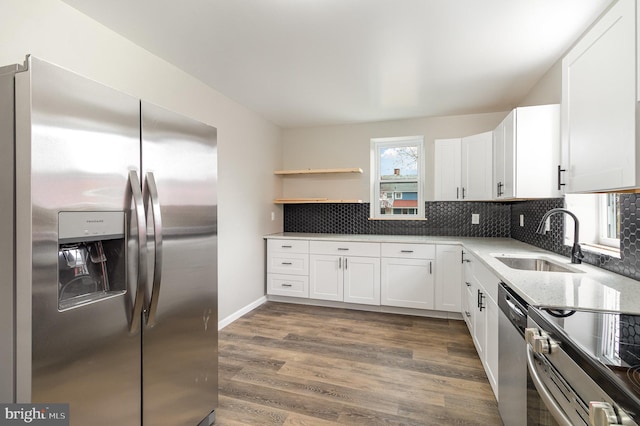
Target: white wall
column 348, row 146
column 548, row 90
column 249, row 147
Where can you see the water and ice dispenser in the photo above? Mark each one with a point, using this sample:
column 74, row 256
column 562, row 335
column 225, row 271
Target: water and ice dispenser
column 91, row 257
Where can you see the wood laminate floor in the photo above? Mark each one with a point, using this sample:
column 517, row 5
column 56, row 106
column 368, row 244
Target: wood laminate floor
column 285, row 364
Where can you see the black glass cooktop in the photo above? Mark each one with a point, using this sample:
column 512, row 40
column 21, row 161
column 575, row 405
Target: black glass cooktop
column 604, row 344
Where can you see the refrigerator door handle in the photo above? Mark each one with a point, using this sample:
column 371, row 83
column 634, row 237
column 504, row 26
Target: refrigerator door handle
column 151, row 194
column 141, row 226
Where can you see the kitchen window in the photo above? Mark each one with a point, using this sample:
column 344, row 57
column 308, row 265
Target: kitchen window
column 397, row 178
column 599, row 216
column 610, row 220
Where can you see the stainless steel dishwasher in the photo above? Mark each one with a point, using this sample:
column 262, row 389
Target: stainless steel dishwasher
column 512, row 357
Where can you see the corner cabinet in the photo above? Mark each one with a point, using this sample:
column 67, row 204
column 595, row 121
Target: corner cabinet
column 526, row 153
column 463, row 168
column 309, row 200
column 599, row 103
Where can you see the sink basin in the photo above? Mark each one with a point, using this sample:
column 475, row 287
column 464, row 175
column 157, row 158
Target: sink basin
column 534, row 264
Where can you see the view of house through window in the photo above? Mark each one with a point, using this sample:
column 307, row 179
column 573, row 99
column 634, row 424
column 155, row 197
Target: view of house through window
column 397, row 177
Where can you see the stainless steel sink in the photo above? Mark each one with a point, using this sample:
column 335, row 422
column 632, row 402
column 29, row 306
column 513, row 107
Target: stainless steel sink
column 534, row 264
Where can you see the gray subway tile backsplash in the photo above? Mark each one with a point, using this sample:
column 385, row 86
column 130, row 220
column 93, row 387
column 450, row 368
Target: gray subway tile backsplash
column 453, row 218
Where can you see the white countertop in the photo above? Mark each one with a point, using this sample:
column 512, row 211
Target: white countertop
column 593, row 288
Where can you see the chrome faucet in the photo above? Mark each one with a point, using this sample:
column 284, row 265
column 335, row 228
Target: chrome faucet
column 576, row 251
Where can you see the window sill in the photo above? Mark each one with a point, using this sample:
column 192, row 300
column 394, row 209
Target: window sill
column 599, row 249
column 398, row 218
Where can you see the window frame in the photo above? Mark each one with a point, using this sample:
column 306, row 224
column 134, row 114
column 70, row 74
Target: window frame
column 603, row 220
column 375, row 194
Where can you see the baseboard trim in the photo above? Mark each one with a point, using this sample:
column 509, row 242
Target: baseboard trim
column 237, row 314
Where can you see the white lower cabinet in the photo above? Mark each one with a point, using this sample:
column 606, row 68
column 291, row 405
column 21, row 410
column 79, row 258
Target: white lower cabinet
column 407, row 283
column 441, row 277
column 448, row 295
column 480, row 311
column 408, row 275
column 352, row 278
column 288, row 268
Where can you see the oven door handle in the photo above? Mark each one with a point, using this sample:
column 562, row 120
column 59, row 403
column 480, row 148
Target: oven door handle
column 551, row 404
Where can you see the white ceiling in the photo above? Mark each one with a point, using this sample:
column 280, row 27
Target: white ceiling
column 318, row 62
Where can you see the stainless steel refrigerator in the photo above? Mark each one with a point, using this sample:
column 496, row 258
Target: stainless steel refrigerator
column 108, row 252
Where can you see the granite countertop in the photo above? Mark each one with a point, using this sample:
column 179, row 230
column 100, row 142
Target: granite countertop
column 589, row 287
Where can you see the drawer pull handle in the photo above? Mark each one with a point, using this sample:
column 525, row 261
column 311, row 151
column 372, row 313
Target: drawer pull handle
column 406, row 251
column 286, row 285
column 287, row 263
column 343, row 249
column 287, row 246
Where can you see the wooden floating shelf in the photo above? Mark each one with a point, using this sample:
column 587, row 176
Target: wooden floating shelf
column 311, row 201
column 317, row 171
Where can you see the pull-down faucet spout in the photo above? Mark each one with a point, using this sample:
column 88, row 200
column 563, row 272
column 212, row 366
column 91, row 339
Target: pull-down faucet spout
column 576, row 250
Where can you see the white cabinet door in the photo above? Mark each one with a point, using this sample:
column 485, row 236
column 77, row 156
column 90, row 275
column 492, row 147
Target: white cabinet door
column 599, row 105
column 362, row 280
column 503, row 156
column 491, row 348
column 526, row 153
column 345, row 279
column 447, row 169
column 479, row 320
column 407, row 283
column 498, row 160
column 477, row 167
column 467, row 303
column 326, row 280
column 448, row 293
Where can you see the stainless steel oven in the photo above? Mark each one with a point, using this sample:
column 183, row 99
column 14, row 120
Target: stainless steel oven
column 583, row 368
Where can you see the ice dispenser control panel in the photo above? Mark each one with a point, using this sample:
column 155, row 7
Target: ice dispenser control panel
column 91, row 257
column 87, row 226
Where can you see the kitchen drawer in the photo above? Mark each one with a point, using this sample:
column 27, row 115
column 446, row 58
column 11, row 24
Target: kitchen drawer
column 408, row 251
column 288, row 263
column 287, row 246
column 288, row 285
column 345, row 248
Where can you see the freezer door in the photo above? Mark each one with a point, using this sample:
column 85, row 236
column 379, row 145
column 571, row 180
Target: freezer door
column 77, row 140
column 179, row 162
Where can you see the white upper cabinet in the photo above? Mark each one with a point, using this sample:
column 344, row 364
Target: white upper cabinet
column 599, row 96
column 447, row 169
column 526, row 153
column 463, row 168
column 477, row 162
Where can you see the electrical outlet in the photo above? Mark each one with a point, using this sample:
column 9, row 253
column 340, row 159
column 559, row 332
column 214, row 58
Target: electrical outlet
column 475, row 219
column 521, row 220
column 273, row 215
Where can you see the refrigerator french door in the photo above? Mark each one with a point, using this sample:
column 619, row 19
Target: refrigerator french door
column 114, row 252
